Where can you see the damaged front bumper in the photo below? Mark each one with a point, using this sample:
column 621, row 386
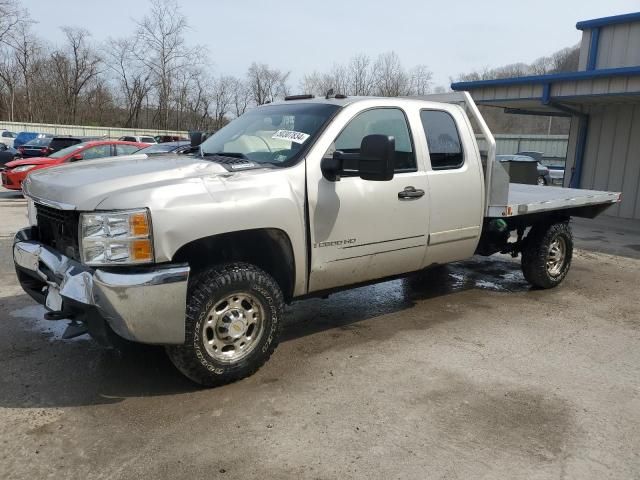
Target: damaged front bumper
column 145, row 305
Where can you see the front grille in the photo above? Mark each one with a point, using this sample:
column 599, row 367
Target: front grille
column 58, row 229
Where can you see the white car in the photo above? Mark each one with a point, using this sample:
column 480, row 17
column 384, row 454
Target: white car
column 7, row 137
column 138, row 138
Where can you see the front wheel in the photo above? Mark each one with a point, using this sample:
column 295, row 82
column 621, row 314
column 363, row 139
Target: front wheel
column 546, row 257
column 233, row 324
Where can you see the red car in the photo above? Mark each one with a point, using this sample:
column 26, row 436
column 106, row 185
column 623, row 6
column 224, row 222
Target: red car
column 17, row 170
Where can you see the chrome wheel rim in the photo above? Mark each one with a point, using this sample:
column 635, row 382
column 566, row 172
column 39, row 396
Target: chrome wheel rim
column 233, row 327
column 541, row 181
column 556, row 257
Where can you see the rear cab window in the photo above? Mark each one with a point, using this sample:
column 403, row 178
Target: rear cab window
column 443, row 140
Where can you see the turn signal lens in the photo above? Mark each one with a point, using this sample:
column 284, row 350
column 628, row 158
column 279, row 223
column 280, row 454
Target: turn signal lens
column 116, row 238
column 139, row 223
column 141, row 250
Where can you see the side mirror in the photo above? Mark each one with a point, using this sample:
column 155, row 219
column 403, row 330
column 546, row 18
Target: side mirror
column 76, row 157
column 374, row 162
column 377, row 155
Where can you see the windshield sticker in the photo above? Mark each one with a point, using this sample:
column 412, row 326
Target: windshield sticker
column 291, row 135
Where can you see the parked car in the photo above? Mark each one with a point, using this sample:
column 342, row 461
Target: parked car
column 16, row 171
column 200, row 252
column 7, row 154
column 7, row 137
column 169, row 147
column 556, row 173
column 169, row 138
column 543, row 172
column 38, row 147
column 139, row 138
column 24, row 137
column 64, row 141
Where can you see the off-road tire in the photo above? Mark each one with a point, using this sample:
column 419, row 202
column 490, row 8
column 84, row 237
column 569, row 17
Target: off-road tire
column 205, row 290
column 536, row 253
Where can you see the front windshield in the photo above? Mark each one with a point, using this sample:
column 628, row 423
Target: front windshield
column 270, row 134
column 66, row 151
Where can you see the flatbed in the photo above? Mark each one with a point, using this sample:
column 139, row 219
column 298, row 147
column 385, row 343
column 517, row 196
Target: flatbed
column 528, row 199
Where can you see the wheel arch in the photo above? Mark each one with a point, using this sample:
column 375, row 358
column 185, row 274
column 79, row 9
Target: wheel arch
column 267, row 248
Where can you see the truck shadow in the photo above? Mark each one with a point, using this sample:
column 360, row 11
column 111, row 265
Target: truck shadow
column 350, row 307
column 40, row 371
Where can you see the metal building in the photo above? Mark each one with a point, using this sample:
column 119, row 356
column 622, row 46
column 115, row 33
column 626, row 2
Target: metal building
column 603, row 101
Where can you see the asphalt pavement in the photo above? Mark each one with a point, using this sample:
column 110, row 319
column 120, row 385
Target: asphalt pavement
column 459, row 373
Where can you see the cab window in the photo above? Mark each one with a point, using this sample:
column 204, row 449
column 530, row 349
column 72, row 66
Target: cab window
column 380, row 121
column 445, row 148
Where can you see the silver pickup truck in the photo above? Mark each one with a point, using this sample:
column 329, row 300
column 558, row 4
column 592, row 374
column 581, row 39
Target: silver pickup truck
column 201, row 252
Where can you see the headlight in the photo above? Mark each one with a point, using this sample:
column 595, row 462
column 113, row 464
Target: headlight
column 23, row 168
column 116, row 238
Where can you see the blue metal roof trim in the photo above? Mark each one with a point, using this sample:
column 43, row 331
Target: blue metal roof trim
column 543, row 79
column 601, row 22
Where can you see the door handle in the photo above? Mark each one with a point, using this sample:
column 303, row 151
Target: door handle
column 410, row 193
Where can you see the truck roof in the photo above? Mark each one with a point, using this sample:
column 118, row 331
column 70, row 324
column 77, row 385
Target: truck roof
column 330, row 101
column 343, row 101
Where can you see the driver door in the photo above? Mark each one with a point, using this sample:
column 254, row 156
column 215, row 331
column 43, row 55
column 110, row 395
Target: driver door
column 362, row 230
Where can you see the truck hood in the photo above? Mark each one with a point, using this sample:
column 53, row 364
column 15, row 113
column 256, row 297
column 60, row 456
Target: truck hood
column 84, row 185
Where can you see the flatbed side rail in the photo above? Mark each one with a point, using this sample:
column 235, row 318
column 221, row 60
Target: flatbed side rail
column 465, row 101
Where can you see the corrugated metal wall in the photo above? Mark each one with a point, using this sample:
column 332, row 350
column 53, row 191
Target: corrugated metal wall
column 615, row 47
column 552, row 146
column 83, row 130
column 618, row 45
column 612, row 155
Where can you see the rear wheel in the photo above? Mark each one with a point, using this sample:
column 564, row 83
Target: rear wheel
column 541, row 181
column 547, row 254
column 233, row 323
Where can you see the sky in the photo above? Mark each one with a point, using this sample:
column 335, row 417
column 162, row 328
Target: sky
column 300, row 36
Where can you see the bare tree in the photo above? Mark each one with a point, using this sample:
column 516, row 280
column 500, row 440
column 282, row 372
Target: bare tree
column 73, row 67
column 360, row 75
column 338, row 79
column 98, row 103
column 10, row 77
column 223, row 97
column 200, row 100
column 419, row 80
column 131, row 76
column 391, row 80
column 266, row 84
column 11, row 14
column 241, row 95
column 163, row 50
column 566, row 60
column 316, row 83
column 27, row 50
